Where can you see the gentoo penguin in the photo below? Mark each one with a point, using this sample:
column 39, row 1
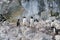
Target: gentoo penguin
column 53, row 29
column 24, row 21
column 31, row 21
column 18, row 22
column 52, row 23
column 36, row 24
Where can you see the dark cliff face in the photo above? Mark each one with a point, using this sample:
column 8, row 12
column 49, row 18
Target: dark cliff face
column 34, row 6
column 58, row 3
column 7, row 7
column 41, row 4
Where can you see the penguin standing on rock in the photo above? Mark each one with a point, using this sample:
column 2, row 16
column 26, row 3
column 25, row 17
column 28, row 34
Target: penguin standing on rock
column 24, row 21
column 31, row 22
column 53, row 29
column 36, row 24
column 18, row 22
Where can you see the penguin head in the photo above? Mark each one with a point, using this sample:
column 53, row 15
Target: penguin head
column 36, row 20
column 31, row 17
column 52, row 20
column 24, row 17
column 18, row 19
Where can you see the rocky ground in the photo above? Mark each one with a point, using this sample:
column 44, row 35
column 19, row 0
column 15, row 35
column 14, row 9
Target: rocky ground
column 12, row 32
column 21, row 33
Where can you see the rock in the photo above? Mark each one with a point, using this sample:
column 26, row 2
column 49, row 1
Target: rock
column 57, row 37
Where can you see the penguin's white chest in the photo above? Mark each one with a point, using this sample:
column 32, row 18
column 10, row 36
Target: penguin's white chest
column 31, row 22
